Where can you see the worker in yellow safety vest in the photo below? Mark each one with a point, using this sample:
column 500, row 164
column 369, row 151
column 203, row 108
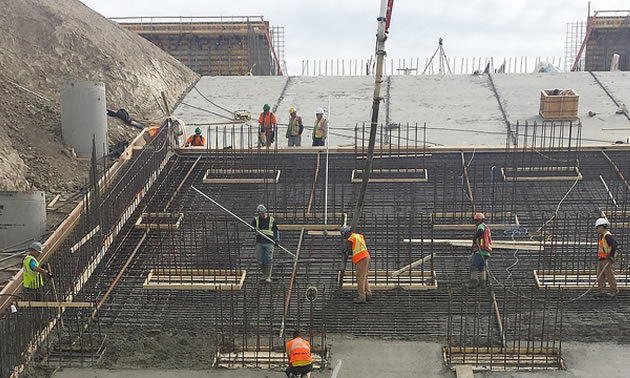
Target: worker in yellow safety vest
column 355, row 243
column 320, row 130
column 266, row 225
column 606, row 257
column 300, row 360
column 33, row 279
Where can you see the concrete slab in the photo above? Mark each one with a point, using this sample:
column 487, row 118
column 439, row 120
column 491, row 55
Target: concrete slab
column 363, row 357
column 520, row 94
column 458, row 109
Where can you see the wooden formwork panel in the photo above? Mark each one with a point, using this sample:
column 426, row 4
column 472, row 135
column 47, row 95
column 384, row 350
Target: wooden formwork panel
column 194, row 279
column 393, row 175
column 529, row 173
column 240, row 176
column 563, row 105
column 162, row 221
column 576, row 279
column 503, row 359
column 383, row 280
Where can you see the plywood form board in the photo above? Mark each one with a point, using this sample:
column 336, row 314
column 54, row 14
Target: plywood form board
column 529, row 173
column 568, row 279
column 240, row 177
column 166, row 279
column 382, row 280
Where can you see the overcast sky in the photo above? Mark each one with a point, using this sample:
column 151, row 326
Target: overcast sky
column 343, row 29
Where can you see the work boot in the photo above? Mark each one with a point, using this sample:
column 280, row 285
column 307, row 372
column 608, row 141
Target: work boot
column 262, row 272
column 268, row 273
column 368, row 297
column 483, row 283
column 359, row 300
column 612, row 294
column 474, row 280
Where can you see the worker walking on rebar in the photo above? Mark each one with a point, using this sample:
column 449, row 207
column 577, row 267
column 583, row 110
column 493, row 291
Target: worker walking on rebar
column 267, row 125
column 299, row 353
column 33, row 279
column 320, row 130
column 295, row 128
column 606, row 256
column 355, row 243
column 481, row 250
column 265, row 224
column 196, row 140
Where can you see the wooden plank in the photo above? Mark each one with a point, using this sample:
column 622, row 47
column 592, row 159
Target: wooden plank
column 84, row 239
column 308, row 227
column 413, row 264
column 578, row 175
column 54, row 304
column 424, row 178
column 471, row 227
column 238, row 180
column 321, row 233
column 54, row 201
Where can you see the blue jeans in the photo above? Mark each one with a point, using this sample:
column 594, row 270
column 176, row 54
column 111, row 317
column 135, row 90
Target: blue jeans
column 318, row 141
column 478, row 262
column 264, row 253
column 295, row 141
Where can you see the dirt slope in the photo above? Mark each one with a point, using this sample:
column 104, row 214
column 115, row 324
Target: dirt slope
column 44, row 43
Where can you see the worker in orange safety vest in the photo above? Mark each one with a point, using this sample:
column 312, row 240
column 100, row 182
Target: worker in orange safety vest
column 300, row 360
column 267, row 124
column 481, row 250
column 196, row 140
column 355, row 243
column 606, row 256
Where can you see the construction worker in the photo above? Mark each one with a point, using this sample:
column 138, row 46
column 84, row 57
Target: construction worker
column 267, row 126
column 294, row 130
column 355, row 243
column 264, row 247
column 481, row 250
column 149, row 133
column 196, row 140
column 606, row 256
column 299, row 353
column 32, row 271
column 320, row 131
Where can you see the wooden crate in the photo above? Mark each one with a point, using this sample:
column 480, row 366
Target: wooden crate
column 561, row 106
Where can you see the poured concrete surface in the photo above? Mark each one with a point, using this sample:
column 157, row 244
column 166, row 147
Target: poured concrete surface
column 363, row 357
column 459, row 110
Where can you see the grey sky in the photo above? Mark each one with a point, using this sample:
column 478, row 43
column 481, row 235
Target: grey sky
column 337, row 29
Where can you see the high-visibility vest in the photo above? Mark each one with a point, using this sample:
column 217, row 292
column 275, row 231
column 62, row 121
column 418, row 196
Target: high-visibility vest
column 359, row 248
column 267, row 120
column 294, row 126
column 196, row 140
column 268, row 231
column 318, row 132
column 485, row 241
column 152, row 131
column 32, row 279
column 604, row 248
column 299, row 351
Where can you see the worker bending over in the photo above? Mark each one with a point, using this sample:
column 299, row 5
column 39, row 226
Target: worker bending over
column 196, row 140
column 267, row 124
column 33, row 279
column 299, row 353
column 295, row 128
column 481, row 250
column 320, row 131
column 355, row 243
column 264, row 247
column 606, row 256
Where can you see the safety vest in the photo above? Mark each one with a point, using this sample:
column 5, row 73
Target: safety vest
column 267, row 121
column 32, row 279
column 152, row 131
column 318, row 132
column 604, row 249
column 299, row 351
column 268, row 231
column 359, row 248
column 485, row 241
column 294, row 126
column 196, row 140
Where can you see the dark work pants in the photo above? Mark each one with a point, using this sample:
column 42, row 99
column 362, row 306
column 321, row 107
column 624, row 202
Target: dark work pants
column 298, row 370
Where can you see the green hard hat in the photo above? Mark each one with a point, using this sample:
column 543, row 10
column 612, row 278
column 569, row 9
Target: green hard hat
column 197, row 131
column 266, row 107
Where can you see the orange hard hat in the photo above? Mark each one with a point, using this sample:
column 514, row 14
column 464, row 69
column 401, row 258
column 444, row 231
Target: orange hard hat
column 479, row 216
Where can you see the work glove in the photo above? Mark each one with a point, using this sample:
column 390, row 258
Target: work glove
column 49, row 274
column 611, row 259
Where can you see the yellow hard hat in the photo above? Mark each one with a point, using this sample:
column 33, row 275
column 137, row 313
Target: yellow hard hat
column 291, row 110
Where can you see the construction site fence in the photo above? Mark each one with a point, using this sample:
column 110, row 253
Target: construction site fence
column 427, row 66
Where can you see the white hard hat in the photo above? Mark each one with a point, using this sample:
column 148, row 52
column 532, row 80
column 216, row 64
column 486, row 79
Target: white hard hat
column 319, row 111
column 261, row 209
column 601, row 222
